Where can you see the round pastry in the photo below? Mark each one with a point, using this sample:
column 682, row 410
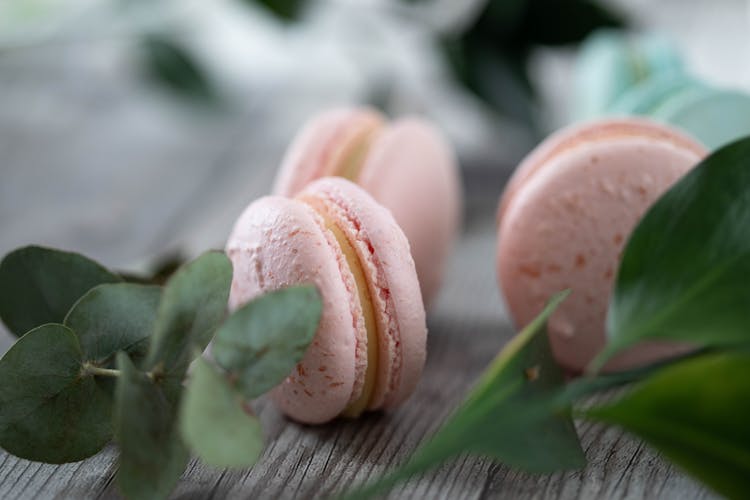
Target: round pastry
column 406, row 165
column 369, row 349
column 565, row 217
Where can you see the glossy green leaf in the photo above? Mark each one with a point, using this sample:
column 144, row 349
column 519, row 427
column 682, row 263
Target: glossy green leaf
column 39, row 285
column 193, row 304
column 215, row 423
column 491, row 57
column 696, row 413
column 152, row 454
column 263, row 340
column 508, row 416
column 49, row 410
column 114, row 317
column 564, row 22
column 684, row 273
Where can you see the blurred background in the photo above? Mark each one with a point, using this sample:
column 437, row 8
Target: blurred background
column 131, row 130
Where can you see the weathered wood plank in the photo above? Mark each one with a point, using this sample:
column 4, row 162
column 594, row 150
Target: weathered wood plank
column 468, row 326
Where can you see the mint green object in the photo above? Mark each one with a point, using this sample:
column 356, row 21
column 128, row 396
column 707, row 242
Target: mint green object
column 646, row 96
column 714, row 117
column 612, row 62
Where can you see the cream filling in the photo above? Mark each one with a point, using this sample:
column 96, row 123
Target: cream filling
column 352, row 159
column 357, row 406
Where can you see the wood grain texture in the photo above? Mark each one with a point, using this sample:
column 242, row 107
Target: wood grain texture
column 467, row 328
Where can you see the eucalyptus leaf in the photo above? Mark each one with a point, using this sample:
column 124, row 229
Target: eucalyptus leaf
column 696, row 413
column 684, row 273
column 152, row 454
column 193, row 304
column 39, row 285
column 49, row 410
column 263, row 340
column 114, row 317
column 509, row 416
column 214, row 422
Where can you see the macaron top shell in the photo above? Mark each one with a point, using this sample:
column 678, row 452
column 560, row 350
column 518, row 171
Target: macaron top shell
column 565, row 222
column 279, row 242
column 573, row 136
column 322, row 144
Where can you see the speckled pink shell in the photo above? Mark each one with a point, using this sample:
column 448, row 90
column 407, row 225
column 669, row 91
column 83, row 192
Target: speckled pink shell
column 564, row 220
column 410, row 169
column 279, row 242
column 413, row 172
column 389, row 267
column 320, row 141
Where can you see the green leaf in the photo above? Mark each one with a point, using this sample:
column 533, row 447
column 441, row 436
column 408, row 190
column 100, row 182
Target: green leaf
column 39, row 285
column 510, row 415
column 696, row 413
column 167, row 62
column 262, row 341
column 215, row 423
column 543, row 24
column 50, row 411
column 193, row 304
column 684, row 273
column 114, row 317
column 152, row 455
column 159, row 271
column 285, row 10
column 491, row 57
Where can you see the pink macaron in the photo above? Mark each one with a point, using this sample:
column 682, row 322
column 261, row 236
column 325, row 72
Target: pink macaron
column 565, row 217
column 370, row 347
column 406, row 165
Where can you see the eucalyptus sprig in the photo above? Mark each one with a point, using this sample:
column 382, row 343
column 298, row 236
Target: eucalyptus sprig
column 683, row 277
column 104, row 358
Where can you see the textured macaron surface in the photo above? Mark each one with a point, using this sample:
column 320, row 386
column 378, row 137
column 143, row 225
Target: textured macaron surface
column 394, row 288
column 279, row 242
column 413, row 172
column 406, row 165
column 323, row 145
column 565, row 220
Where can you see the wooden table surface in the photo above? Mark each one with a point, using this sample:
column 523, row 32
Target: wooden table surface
column 122, row 183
